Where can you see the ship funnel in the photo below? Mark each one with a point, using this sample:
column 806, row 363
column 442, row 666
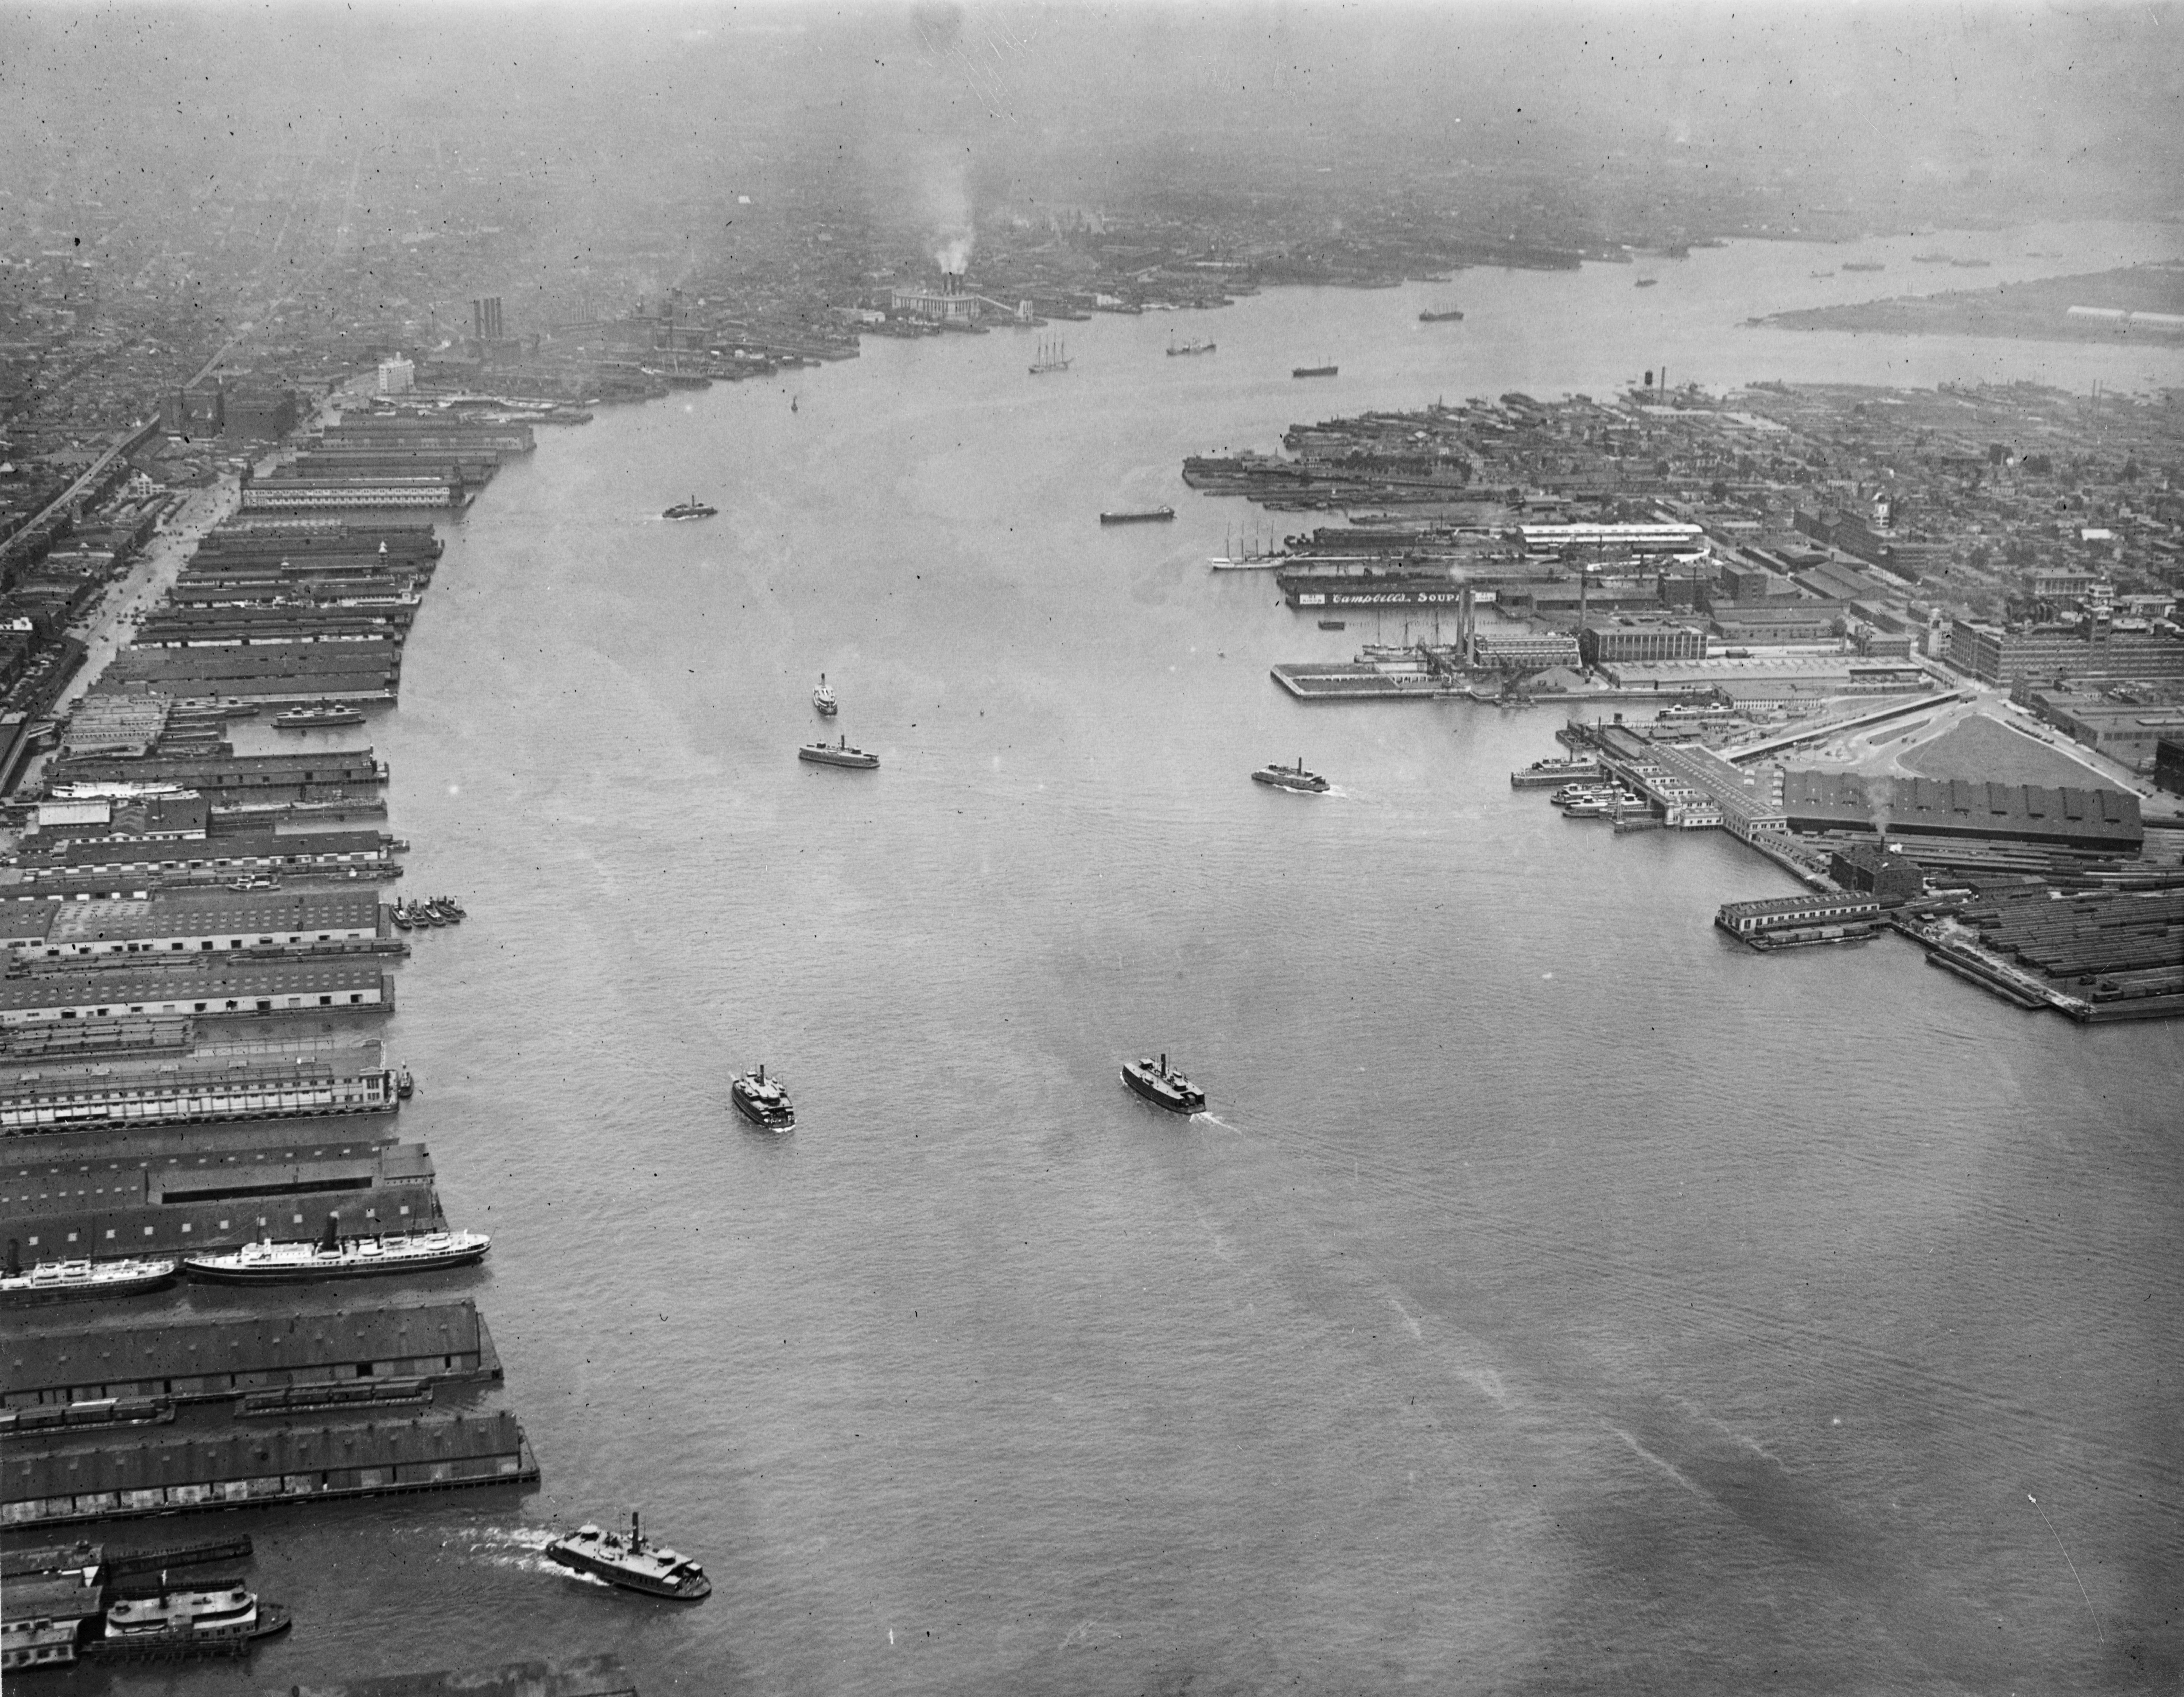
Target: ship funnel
column 331, row 1238
column 15, row 1259
column 636, row 1531
column 1163, row 1063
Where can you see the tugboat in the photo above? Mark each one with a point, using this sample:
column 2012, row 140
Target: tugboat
column 1291, row 778
column 1163, row 1088
column 400, row 916
column 837, row 754
column 631, row 1562
column 1159, row 515
column 335, row 1257
column 693, row 508
column 222, row 1619
column 823, row 699
column 763, row 1102
column 59, row 1281
column 318, row 718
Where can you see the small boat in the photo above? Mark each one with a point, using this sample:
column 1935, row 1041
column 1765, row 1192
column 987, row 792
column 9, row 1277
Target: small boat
column 1313, row 370
column 1154, row 516
column 838, row 753
column 1291, row 778
column 1449, row 315
column 1162, row 1088
column 823, row 699
column 1863, row 266
column 693, row 508
column 1334, row 624
column 318, row 718
column 335, row 1257
column 763, row 1101
column 631, row 1562
column 1817, row 276
column 221, row 1619
column 400, row 916
column 404, row 1086
column 1173, row 350
column 63, row 1280
column 1053, row 356
column 452, row 908
column 1646, row 282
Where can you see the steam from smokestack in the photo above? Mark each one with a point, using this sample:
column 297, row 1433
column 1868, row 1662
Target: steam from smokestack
column 953, row 256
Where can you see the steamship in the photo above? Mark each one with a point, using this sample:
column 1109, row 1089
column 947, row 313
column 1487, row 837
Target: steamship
column 631, row 1562
column 1162, row 1088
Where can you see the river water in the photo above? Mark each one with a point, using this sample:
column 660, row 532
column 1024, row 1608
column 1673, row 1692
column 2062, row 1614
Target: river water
column 1557, row 1295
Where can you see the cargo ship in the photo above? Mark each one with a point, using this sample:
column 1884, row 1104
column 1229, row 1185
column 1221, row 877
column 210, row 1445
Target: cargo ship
column 1314, row 371
column 1163, row 1088
column 1154, row 516
column 693, row 508
column 1296, row 777
column 317, row 718
column 631, row 1562
column 62, row 1281
column 763, row 1101
column 335, row 1257
column 1451, row 315
column 838, row 753
column 823, row 699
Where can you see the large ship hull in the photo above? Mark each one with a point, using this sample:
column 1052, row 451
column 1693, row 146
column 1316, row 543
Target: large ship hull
column 220, row 1271
column 1157, row 515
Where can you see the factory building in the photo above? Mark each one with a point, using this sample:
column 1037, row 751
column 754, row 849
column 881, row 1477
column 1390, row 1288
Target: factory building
column 2094, row 649
column 1869, row 869
column 1624, row 637
column 947, row 305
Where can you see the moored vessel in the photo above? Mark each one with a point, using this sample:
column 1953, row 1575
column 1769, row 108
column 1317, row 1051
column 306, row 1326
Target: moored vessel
column 823, row 699
column 1296, row 777
column 763, row 1101
column 222, row 1619
column 333, row 1256
column 693, row 508
column 838, row 753
column 62, row 1281
column 1152, row 515
column 1153, row 1081
column 317, row 718
column 631, row 1562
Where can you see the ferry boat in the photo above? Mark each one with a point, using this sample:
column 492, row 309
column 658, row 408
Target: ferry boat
column 60, row 1280
column 763, row 1101
column 838, row 753
column 1314, row 371
column 823, row 699
column 1291, row 778
column 693, row 508
column 1189, row 348
column 1159, row 515
column 631, row 1562
column 1162, row 1088
column 174, row 1625
column 1542, row 772
column 1450, row 316
column 1053, row 356
column 317, row 718
column 335, row 1257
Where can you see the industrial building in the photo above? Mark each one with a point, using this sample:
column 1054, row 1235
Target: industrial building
column 216, row 920
column 2095, row 821
column 1627, row 637
column 1870, row 870
column 226, row 987
column 2097, row 650
column 1812, row 917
